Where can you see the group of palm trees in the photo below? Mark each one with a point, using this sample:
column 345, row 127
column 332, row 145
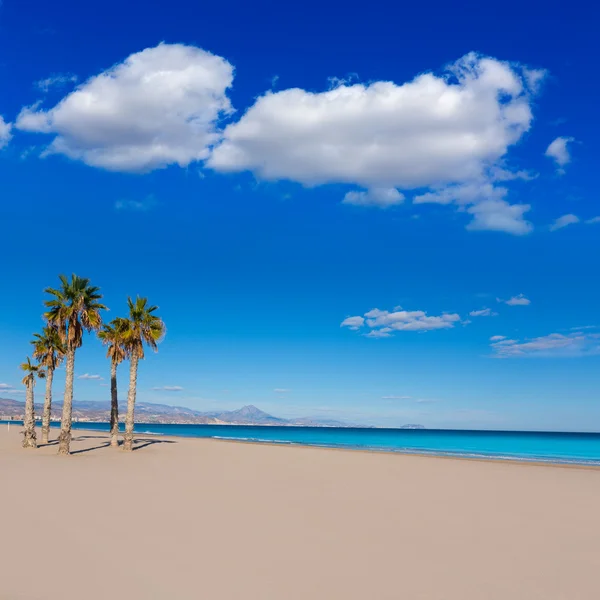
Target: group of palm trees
column 72, row 309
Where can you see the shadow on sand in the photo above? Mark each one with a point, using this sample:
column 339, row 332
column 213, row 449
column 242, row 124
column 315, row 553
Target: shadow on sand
column 139, row 443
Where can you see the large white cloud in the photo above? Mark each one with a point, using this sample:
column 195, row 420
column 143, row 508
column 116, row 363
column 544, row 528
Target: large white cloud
column 156, row 108
column 432, row 132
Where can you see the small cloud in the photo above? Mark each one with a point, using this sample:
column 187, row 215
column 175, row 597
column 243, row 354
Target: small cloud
column 168, row 388
column 379, row 333
column 519, row 300
column 425, row 401
column 559, row 152
column 484, row 312
column 395, row 397
column 274, row 80
column 564, row 221
column 55, row 81
column 281, row 390
column 5, row 387
column 136, row 205
column 379, row 197
column 593, row 220
column 553, row 345
column 104, row 384
column 90, row 377
column 353, row 323
column 497, row 338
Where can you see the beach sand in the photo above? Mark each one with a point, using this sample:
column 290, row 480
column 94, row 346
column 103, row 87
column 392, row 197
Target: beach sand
column 189, row 518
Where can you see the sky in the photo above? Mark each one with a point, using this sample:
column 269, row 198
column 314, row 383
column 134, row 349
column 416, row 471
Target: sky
column 379, row 213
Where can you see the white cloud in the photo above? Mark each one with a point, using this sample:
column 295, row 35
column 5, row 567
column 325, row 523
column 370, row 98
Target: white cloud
column 380, row 197
column 136, row 205
column 484, row 312
column 353, row 322
column 281, row 390
column 519, row 300
column 395, row 397
column 90, row 377
column 564, row 221
column 383, row 323
column 55, row 81
column 499, row 215
column 433, row 129
column 558, row 151
column 378, row 333
column 553, row 345
column 5, row 132
column 486, row 202
column 168, row 388
column 431, row 132
column 497, row 338
column 158, row 107
column 593, row 220
column 5, row 387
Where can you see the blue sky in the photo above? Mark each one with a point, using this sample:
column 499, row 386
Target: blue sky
column 382, row 214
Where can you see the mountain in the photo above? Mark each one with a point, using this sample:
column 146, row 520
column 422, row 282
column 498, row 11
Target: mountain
column 248, row 415
column 412, row 426
column 147, row 412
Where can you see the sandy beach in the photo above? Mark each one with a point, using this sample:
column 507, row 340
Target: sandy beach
column 185, row 518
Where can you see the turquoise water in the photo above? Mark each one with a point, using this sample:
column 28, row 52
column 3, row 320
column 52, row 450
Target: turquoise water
column 573, row 448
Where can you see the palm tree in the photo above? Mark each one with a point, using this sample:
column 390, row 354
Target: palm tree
column 31, row 370
column 143, row 327
column 112, row 336
column 73, row 308
column 49, row 351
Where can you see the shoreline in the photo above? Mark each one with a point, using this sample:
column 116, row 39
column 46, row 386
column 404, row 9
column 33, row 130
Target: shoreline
column 368, row 451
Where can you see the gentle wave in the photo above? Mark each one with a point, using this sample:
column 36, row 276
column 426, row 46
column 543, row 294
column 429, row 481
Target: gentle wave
column 253, row 439
column 421, row 452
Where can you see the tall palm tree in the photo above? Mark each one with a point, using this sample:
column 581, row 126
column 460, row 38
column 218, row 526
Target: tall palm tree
column 49, row 351
column 73, row 308
column 31, row 371
column 143, row 327
column 112, row 336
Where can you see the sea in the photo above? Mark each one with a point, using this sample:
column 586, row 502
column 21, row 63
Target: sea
column 550, row 447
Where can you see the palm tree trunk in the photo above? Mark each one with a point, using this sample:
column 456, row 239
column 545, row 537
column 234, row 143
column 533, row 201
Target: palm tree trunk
column 64, row 439
column 128, row 442
column 47, row 406
column 29, row 441
column 114, row 406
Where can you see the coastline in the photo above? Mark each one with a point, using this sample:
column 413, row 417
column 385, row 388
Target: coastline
column 448, row 455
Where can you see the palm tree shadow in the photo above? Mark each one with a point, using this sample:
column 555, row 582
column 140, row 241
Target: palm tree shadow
column 139, row 443
column 82, row 438
column 143, row 443
column 90, row 449
column 52, row 443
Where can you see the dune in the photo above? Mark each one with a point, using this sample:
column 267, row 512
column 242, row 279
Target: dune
column 186, row 518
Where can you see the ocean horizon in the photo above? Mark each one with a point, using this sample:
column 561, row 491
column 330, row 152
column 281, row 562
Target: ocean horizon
column 527, row 446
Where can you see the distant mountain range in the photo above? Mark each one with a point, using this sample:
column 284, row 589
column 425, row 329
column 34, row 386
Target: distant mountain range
column 163, row 413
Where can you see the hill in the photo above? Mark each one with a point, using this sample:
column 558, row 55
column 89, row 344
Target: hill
column 147, row 412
